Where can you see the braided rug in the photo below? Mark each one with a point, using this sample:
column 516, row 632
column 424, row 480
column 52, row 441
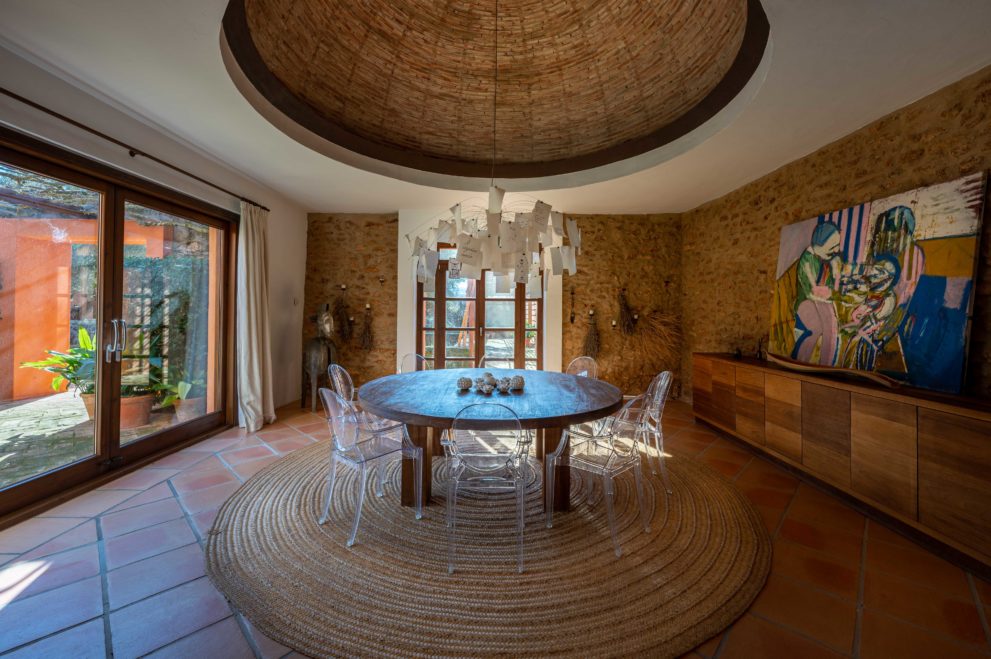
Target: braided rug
column 703, row 562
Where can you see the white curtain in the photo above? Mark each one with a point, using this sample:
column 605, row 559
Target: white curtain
column 256, row 405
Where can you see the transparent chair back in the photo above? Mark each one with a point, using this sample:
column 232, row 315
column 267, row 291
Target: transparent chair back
column 363, row 447
column 488, row 450
column 653, row 428
column 412, row 362
column 613, row 449
column 584, row 366
column 341, row 381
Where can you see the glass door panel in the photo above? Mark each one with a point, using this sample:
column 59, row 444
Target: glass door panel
column 170, row 321
column 49, row 337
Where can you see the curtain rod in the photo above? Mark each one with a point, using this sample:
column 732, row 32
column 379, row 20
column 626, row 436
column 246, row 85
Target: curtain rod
column 131, row 151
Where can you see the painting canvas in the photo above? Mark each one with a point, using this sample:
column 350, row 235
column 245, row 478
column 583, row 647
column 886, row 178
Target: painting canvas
column 885, row 286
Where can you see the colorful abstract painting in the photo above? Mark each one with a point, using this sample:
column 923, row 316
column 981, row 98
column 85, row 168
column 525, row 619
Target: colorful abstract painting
column 884, row 286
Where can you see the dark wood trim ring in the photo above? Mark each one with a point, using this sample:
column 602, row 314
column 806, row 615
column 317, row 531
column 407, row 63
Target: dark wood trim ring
column 244, row 51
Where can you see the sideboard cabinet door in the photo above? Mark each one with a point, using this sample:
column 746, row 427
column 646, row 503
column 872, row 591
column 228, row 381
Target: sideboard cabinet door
column 783, row 415
column 955, row 477
column 750, row 404
column 884, row 452
column 826, row 432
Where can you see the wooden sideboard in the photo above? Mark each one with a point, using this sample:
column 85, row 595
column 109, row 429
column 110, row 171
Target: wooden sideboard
column 923, row 459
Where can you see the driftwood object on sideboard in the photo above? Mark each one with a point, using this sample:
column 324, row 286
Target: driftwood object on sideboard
column 922, row 459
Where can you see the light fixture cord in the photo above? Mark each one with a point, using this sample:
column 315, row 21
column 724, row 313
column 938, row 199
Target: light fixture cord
column 495, row 93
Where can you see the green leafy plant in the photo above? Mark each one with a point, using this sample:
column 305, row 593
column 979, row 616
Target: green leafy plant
column 180, row 390
column 77, row 366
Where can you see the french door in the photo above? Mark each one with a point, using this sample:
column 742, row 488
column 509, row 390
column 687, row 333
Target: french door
column 461, row 321
column 114, row 307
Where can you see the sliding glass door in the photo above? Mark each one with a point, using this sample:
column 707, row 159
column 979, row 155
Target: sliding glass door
column 114, row 307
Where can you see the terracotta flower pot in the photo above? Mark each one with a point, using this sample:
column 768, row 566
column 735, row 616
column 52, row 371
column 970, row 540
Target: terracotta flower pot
column 135, row 411
column 89, row 400
column 190, row 408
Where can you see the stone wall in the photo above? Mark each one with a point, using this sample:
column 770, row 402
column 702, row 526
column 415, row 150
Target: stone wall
column 730, row 245
column 357, row 251
column 641, row 253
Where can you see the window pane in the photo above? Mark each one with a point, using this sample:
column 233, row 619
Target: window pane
column 500, row 314
column 428, row 344
column 530, row 343
column 460, row 363
column 531, row 365
column 499, row 363
column 428, row 292
column 499, row 345
column 460, row 344
column 459, row 287
column 428, row 313
column 491, row 289
column 460, row 314
column 172, row 302
column 447, row 253
column 428, row 365
column 530, row 314
column 49, row 274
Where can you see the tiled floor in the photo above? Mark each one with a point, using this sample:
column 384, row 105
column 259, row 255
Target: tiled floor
column 120, row 569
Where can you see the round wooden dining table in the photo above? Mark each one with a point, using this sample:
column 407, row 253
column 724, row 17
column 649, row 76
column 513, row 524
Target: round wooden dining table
column 428, row 401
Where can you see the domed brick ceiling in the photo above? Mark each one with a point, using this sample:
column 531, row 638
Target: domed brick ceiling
column 581, row 83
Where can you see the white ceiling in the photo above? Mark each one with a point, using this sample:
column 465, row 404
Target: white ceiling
column 835, row 67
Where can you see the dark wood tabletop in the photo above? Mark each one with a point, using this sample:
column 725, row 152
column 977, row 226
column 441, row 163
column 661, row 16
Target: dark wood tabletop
column 432, row 399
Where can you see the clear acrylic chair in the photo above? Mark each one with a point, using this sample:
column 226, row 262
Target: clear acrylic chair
column 363, row 447
column 612, row 451
column 343, row 385
column 413, row 362
column 488, row 452
column 584, row 366
column 653, row 430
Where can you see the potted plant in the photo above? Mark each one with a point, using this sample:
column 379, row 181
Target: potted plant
column 135, row 405
column 76, row 367
column 188, row 398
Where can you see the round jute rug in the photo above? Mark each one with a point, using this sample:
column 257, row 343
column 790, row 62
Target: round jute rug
column 704, row 560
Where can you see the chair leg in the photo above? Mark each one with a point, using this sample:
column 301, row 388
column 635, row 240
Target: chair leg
column 520, row 523
column 551, row 464
column 418, row 483
column 650, row 437
column 380, row 481
column 331, row 479
column 607, row 485
column 452, row 503
column 662, row 461
column 361, row 500
column 644, row 519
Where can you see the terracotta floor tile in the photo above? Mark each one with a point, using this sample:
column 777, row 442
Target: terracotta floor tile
column 49, row 612
column 180, row 460
column 753, row 638
column 269, row 436
column 89, row 504
column 983, row 590
column 83, row 534
column 33, row 532
column 286, row 445
column 845, row 546
column 237, row 456
column 763, row 473
column 212, row 497
column 203, row 520
column 219, row 443
column 157, row 621
column 132, row 519
column 818, row 569
column 708, row 649
column 884, row 637
column 23, row 578
column 221, row 640
column 924, row 607
column 770, row 516
column 269, row 649
column 727, row 468
column 157, row 493
column 153, row 575
column 248, row 469
column 85, row 641
column 766, row 496
column 815, row 506
column 684, row 446
column 915, row 563
column 202, row 479
column 816, row 614
column 141, row 479
column 148, row 542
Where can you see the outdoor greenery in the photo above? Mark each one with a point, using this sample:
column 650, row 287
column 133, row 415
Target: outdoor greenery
column 77, row 366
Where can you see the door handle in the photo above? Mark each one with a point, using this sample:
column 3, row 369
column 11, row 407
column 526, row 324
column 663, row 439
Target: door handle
column 110, row 348
column 123, row 338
